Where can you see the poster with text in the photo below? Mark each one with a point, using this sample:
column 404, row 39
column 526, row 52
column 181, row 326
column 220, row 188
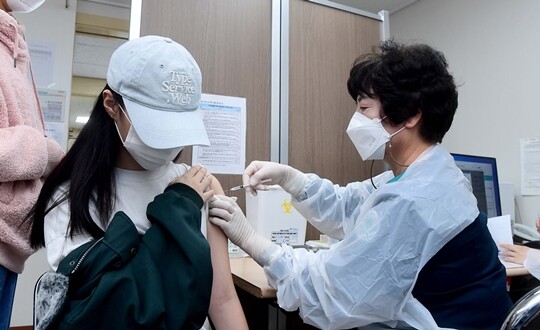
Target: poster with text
column 53, row 110
column 225, row 120
column 42, row 58
column 530, row 166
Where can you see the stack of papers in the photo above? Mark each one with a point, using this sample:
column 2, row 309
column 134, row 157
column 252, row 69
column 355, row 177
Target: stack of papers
column 500, row 229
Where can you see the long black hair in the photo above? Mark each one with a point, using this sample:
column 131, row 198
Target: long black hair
column 89, row 167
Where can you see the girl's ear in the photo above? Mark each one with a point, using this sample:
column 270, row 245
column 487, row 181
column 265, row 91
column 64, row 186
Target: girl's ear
column 109, row 103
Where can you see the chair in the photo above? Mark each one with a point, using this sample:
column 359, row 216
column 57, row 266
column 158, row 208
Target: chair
column 524, row 312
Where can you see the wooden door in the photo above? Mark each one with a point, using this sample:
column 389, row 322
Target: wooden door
column 231, row 42
column 324, row 42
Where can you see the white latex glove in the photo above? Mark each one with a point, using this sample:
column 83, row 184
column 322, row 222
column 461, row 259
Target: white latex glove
column 290, row 179
column 225, row 213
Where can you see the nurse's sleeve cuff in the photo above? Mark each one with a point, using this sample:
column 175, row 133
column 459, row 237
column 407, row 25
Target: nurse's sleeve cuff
column 303, row 194
column 270, row 253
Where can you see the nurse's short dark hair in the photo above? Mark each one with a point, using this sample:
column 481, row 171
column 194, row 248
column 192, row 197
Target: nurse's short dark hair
column 408, row 79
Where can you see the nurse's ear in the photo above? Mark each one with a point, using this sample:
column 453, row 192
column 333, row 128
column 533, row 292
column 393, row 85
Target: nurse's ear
column 414, row 120
column 109, row 103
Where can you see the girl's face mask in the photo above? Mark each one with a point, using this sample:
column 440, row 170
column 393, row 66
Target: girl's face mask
column 369, row 136
column 24, row 6
column 149, row 158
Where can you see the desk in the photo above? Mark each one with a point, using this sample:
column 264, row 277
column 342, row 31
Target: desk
column 263, row 312
column 519, row 271
column 258, row 299
column 250, row 277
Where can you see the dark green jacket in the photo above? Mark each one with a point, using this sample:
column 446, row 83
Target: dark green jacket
column 161, row 280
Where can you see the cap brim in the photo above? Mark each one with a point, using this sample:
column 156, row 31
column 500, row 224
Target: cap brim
column 167, row 129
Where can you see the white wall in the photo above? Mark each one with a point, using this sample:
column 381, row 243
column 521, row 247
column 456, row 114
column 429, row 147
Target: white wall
column 51, row 23
column 493, row 48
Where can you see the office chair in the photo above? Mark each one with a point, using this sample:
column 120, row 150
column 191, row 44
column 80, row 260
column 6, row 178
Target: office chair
column 524, row 312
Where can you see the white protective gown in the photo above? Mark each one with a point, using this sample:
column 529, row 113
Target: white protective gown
column 532, row 262
column 387, row 235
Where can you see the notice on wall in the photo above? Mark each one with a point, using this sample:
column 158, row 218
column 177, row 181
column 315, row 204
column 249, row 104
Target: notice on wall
column 42, row 59
column 530, row 166
column 58, row 132
column 225, row 120
column 53, row 103
column 53, row 109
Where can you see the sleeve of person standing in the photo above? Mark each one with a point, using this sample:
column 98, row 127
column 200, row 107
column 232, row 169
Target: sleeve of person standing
column 21, row 125
column 26, row 145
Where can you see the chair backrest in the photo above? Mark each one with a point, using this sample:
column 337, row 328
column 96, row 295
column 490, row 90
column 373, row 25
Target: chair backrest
column 524, row 311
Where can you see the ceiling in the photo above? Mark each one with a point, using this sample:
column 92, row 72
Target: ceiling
column 375, row 6
column 116, row 3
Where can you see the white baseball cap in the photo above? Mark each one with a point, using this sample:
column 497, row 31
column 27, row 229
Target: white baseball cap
column 161, row 84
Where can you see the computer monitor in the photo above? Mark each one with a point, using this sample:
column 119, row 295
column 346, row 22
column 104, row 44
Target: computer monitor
column 482, row 174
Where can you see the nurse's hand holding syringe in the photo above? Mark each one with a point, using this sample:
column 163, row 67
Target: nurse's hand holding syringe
column 290, row 179
column 243, row 186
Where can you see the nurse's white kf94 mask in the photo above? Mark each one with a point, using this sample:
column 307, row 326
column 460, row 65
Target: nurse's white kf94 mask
column 369, row 136
column 149, row 158
column 24, row 6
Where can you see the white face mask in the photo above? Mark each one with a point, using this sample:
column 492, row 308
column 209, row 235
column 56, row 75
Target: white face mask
column 24, row 6
column 149, row 158
column 369, row 136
